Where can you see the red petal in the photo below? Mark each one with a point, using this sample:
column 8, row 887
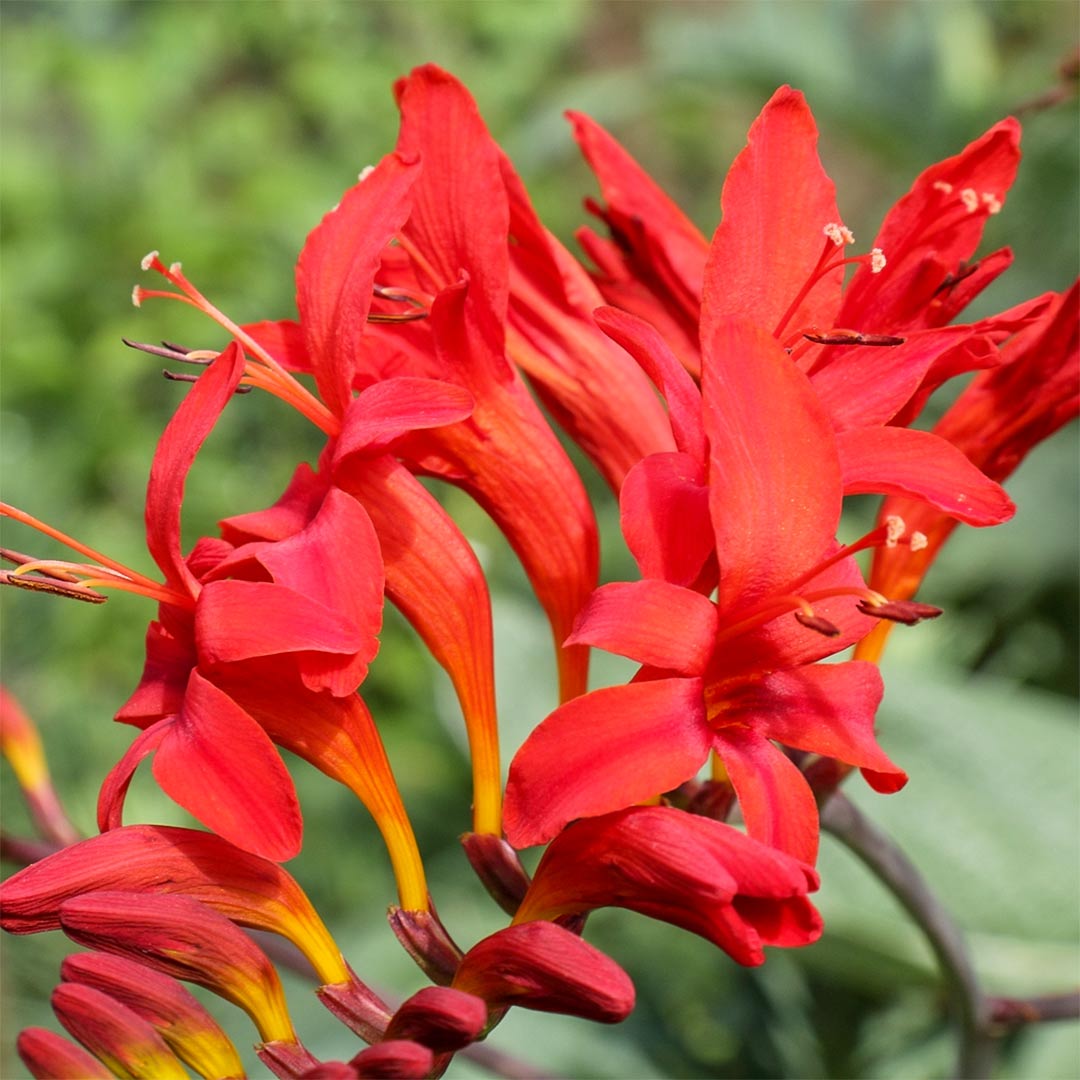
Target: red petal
column 336, row 271
column 776, row 801
column 673, row 381
column 219, row 765
column 661, row 625
column 604, row 751
column 291, row 513
column 776, row 202
column 460, row 212
column 931, row 228
column 595, row 392
column 774, row 473
column 396, row 406
column 904, row 461
column 175, row 452
column 110, row 808
column 674, row 244
column 664, row 510
column 284, row 340
column 827, row 709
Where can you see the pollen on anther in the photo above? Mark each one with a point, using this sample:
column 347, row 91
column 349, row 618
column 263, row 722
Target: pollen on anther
column 918, row 541
column 136, row 296
column 894, row 529
column 991, row 202
column 970, row 198
column 838, row 234
column 877, row 260
column 175, row 268
column 943, row 185
column 149, row 259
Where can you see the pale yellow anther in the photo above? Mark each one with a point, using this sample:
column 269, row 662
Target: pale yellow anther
column 918, row 541
column 991, row 202
column 877, row 260
column 148, row 260
column 838, row 234
column 970, row 198
column 894, row 529
column 943, row 185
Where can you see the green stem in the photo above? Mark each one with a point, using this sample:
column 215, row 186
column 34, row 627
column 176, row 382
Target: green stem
column 977, row 1045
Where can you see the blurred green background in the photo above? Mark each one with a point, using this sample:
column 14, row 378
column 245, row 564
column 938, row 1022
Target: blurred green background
column 219, row 133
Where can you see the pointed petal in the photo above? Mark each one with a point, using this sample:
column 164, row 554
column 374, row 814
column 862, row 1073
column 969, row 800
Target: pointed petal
column 931, row 231
column 604, row 751
column 904, row 461
column 776, row 801
column 662, row 241
column 218, row 764
column 776, row 201
column 175, row 452
column 774, row 473
column 661, row 625
column 461, row 215
column 336, row 271
column 289, row 515
column 284, row 340
column 673, row 381
column 664, row 512
column 394, row 407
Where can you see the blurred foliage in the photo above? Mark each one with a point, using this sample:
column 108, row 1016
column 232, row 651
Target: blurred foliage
column 219, row 133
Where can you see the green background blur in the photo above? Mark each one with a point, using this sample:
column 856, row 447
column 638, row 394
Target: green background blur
column 220, row 133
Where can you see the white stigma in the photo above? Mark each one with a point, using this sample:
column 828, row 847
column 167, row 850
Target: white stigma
column 877, row 260
column 918, row 541
column 136, row 296
column 148, row 260
column 894, row 529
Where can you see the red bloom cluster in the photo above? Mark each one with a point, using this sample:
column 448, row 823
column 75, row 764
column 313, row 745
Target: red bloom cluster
column 732, row 392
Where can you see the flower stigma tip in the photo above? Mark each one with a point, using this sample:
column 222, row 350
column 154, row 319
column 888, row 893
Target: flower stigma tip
column 149, row 259
column 877, row 260
column 918, row 541
column 942, row 185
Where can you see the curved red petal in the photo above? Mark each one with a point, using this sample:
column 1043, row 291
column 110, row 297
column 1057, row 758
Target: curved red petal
column 905, row 461
column 776, row 202
column 176, row 450
column 664, row 512
column 219, row 765
column 776, row 801
column 604, row 751
column 658, row 624
column 336, row 271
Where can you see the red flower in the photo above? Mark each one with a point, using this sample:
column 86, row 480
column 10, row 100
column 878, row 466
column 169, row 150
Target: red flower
column 685, row 869
column 729, row 676
column 995, row 422
column 775, row 259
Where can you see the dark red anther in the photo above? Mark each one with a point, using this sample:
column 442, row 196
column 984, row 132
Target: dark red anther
column 908, row 612
column 839, row 336
column 816, row 622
